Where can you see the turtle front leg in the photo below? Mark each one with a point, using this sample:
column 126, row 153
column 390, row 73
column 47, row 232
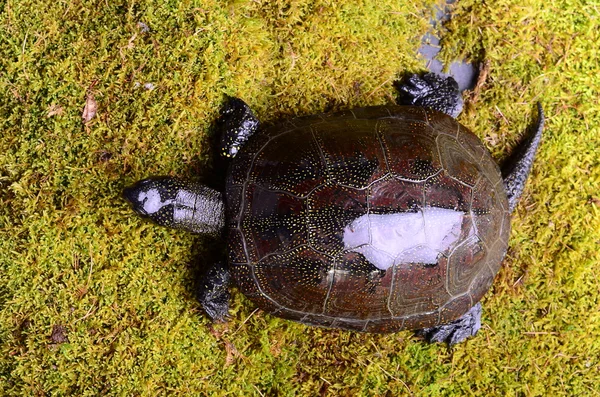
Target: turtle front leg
column 432, row 91
column 213, row 292
column 456, row 331
column 238, row 124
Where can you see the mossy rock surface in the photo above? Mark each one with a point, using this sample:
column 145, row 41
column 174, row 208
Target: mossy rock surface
column 95, row 301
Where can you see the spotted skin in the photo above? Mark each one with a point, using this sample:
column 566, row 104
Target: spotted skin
column 287, row 211
column 178, row 203
column 238, row 124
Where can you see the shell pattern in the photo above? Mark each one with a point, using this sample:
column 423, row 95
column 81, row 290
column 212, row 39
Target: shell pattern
column 376, row 219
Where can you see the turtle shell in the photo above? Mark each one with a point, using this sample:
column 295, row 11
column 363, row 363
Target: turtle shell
column 375, row 219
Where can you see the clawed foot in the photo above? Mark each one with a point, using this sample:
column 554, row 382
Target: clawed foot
column 432, row 91
column 214, row 293
column 456, row 331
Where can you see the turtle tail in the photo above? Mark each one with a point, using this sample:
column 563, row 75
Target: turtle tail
column 517, row 168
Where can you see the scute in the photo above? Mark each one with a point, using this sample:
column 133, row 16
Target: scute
column 375, row 219
column 330, row 209
column 410, row 148
column 394, row 195
column 456, row 163
column 347, row 147
column 443, row 191
column 418, row 289
column 463, row 265
column 277, row 221
column 297, row 171
column 302, row 287
column 356, row 288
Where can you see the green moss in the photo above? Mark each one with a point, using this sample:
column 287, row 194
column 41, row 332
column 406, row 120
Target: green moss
column 72, row 254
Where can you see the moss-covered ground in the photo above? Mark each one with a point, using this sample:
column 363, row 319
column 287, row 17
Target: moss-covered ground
column 95, row 301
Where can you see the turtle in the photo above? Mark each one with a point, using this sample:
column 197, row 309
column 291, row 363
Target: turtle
column 374, row 219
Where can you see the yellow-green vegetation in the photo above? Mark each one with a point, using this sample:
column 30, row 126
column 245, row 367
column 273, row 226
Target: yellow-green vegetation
column 95, row 301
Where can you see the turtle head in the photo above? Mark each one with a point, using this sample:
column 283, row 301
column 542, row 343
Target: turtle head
column 154, row 198
column 178, row 203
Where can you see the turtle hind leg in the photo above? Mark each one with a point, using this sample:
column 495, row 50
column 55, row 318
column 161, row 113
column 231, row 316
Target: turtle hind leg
column 456, row 331
column 238, row 123
column 213, row 292
column 431, row 91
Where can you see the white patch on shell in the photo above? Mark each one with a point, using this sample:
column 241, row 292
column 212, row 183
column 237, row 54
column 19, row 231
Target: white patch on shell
column 409, row 237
